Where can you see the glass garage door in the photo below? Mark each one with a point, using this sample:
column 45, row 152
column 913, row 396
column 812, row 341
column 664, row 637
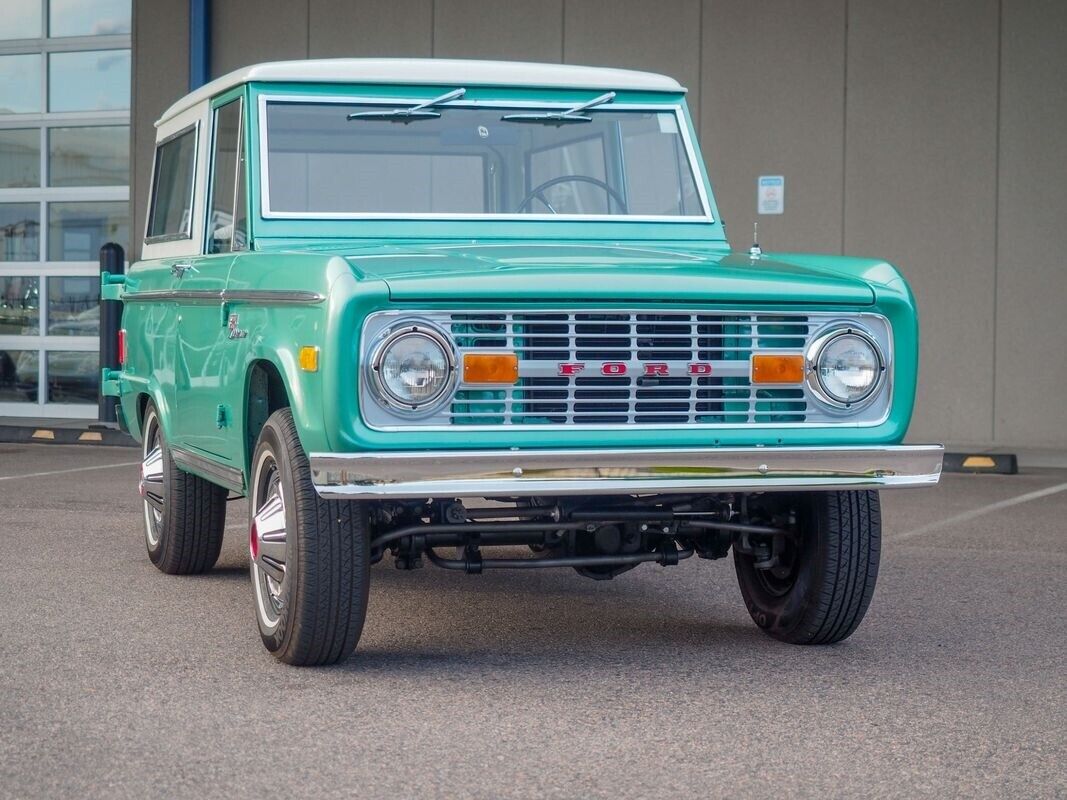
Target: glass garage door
column 64, row 191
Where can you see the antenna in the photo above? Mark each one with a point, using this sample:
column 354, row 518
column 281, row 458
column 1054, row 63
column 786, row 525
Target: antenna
column 755, row 251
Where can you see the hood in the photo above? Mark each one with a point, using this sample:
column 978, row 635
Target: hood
column 564, row 272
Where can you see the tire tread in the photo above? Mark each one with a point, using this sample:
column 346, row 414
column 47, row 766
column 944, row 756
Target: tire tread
column 330, row 601
column 845, row 573
column 194, row 520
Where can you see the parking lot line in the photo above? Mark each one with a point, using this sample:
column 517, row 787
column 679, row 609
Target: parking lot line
column 978, row 512
column 65, row 471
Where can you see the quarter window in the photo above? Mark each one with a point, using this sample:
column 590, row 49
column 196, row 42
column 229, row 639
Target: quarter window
column 171, row 213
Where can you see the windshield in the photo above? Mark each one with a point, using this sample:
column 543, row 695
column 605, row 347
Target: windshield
column 338, row 159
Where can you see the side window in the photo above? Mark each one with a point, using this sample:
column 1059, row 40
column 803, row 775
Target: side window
column 227, row 218
column 171, row 212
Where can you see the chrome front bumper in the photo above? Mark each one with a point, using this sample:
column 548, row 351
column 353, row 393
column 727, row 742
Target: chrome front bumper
column 511, row 473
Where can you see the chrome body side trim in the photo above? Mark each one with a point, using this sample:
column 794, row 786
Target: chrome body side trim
column 228, row 477
column 508, row 473
column 271, row 296
column 267, row 297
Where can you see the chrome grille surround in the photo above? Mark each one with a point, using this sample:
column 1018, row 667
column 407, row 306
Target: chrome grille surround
column 700, row 360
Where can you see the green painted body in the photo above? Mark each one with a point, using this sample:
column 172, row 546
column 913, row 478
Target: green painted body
column 181, row 356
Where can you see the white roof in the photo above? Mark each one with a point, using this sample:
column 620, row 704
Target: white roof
column 437, row 71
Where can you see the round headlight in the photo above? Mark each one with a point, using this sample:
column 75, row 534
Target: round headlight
column 848, row 367
column 414, row 367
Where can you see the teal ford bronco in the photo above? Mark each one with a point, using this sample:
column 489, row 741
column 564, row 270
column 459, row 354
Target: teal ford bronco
column 485, row 316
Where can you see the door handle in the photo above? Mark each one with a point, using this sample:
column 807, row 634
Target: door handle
column 179, row 268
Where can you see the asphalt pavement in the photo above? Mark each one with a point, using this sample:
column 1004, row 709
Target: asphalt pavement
column 118, row 681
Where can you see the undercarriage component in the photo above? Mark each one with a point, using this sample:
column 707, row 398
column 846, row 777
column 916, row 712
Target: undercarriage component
column 715, row 545
column 599, row 541
column 667, row 556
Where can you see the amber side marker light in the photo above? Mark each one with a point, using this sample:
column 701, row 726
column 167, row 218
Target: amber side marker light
column 309, row 359
column 777, row 369
column 490, row 368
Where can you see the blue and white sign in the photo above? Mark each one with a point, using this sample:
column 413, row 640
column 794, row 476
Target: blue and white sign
column 770, row 194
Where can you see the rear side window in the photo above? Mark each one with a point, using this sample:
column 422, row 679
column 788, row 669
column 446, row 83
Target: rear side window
column 171, row 212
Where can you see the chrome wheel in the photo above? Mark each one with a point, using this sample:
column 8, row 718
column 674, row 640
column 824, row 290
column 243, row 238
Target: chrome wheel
column 267, row 540
column 310, row 568
column 151, row 483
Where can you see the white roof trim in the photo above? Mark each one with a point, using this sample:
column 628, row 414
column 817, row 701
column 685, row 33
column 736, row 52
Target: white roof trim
column 437, row 71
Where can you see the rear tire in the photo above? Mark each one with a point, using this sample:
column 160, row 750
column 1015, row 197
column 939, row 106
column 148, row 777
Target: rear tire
column 823, row 597
column 184, row 515
column 310, row 557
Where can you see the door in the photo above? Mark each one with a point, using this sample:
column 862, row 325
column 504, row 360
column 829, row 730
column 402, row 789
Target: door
column 172, row 233
column 201, row 350
column 208, row 330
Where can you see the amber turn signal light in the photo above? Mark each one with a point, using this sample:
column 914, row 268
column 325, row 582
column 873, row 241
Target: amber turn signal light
column 490, row 368
column 777, row 369
column 309, row 359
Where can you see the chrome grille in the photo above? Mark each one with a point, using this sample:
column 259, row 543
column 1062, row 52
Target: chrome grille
column 724, row 341
column 668, row 341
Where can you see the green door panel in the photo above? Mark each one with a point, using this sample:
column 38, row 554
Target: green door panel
column 150, row 342
column 202, row 418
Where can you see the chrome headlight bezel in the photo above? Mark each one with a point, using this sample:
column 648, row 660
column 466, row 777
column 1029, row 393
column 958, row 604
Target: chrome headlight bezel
column 402, row 329
column 814, row 353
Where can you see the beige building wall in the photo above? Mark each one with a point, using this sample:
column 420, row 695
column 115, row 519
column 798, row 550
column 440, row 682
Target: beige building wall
column 930, row 134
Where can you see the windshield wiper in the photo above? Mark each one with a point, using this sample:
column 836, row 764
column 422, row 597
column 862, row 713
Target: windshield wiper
column 420, row 111
column 561, row 117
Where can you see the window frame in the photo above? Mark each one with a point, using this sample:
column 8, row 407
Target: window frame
column 198, row 115
column 239, row 174
column 706, row 216
column 194, row 128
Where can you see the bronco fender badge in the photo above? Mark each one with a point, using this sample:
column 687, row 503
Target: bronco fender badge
column 235, row 331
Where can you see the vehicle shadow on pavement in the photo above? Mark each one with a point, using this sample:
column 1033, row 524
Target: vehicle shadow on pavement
column 518, row 620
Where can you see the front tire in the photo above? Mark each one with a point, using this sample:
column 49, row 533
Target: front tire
column 184, row 515
column 822, row 596
column 310, row 562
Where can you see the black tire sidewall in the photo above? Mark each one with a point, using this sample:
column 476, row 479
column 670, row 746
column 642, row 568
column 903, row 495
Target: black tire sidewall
column 782, row 615
column 325, row 590
column 272, row 439
column 193, row 517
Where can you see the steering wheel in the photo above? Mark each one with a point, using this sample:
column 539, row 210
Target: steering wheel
column 538, row 191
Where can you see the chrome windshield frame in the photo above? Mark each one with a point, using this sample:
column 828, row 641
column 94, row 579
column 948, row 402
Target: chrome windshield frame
column 266, row 212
